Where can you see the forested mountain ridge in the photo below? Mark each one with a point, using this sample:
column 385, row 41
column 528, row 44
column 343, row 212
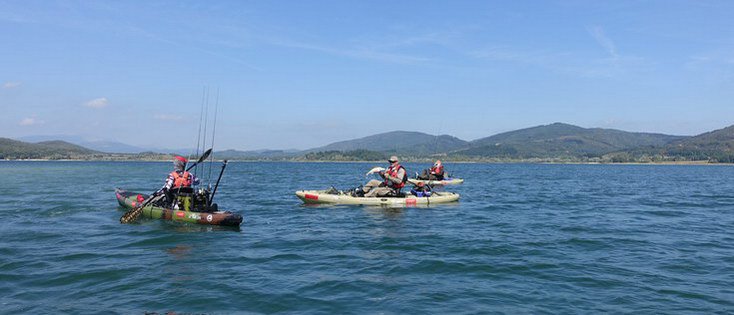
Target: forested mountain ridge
column 410, row 142
column 560, row 140
column 556, row 142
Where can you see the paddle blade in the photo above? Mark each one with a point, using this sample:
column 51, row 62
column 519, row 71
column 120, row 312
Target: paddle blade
column 205, row 155
column 132, row 215
column 201, row 159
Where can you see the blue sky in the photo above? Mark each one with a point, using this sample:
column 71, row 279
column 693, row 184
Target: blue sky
column 300, row 74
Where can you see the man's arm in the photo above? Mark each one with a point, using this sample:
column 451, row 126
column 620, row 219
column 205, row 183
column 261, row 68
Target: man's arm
column 167, row 185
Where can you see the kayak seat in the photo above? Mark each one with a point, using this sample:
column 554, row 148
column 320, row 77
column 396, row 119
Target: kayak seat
column 395, row 193
column 354, row 192
column 183, row 191
column 181, row 198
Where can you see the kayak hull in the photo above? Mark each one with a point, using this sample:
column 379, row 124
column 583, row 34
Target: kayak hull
column 321, row 197
column 128, row 200
column 445, row 182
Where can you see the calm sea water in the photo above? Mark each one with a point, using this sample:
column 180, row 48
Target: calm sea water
column 523, row 239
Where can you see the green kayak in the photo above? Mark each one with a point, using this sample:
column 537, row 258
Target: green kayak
column 129, row 200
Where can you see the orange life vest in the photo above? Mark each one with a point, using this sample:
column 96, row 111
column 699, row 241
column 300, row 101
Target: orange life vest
column 393, row 172
column 181, row 179
column 438, row 170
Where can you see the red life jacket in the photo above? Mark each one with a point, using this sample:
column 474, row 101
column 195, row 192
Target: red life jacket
column 437, row 170
column 393, row 171
column 181, row 179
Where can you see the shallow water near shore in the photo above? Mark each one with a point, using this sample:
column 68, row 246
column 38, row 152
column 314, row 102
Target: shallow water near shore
column 524, row 238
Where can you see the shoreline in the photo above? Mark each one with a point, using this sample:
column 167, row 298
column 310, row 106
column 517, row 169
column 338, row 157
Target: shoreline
column 451, row 162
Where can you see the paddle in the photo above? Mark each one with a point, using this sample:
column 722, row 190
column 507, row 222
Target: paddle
column 134, row 213
column 201, row 159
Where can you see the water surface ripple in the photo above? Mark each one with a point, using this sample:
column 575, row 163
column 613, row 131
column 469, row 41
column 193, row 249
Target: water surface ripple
column 523, row 239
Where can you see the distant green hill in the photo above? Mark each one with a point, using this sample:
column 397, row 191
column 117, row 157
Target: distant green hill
column 66, row 146
column 398, row 142
column 61, row 150
column 256, row 155
column 560, row 140
column 13, row 149
column 354, row 155
column 717, row 140
column 556, row 142
column 714, row 146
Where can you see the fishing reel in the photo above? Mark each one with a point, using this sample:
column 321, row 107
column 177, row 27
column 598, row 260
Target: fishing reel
column 201, row 199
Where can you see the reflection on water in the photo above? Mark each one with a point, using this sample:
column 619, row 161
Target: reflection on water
column 179, row 251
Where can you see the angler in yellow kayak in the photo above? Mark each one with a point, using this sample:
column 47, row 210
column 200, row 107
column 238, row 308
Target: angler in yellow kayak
column 394, row 177
column 436, row 172
column 380, row 193
column 333, row 196
column 435, row 176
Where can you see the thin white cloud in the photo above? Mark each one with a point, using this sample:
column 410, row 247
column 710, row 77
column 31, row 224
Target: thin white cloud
column 143, row 32
column 604, row 41
column 97, row 103
column 504, row 54
column 357, row 53
column 443, row 39
column 167, row 117
column 30, row 121
column 556, row 61
column 721, row 58
column 11, row 85
column 713, row 66
column 564, row 62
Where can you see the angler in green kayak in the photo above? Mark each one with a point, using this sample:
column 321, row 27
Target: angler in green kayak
column 176, row 192
column 183, row 203
column 179, row 181
column 132, row 200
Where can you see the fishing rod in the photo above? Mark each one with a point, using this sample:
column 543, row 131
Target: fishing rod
column 198, row 144
column 211, row 198
column 201, row 115
column 214, row 131
column 206, row 120
column 203, row 135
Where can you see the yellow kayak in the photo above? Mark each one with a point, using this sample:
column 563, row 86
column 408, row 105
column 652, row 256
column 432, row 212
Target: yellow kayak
column 448, row 181
column 340, row 198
